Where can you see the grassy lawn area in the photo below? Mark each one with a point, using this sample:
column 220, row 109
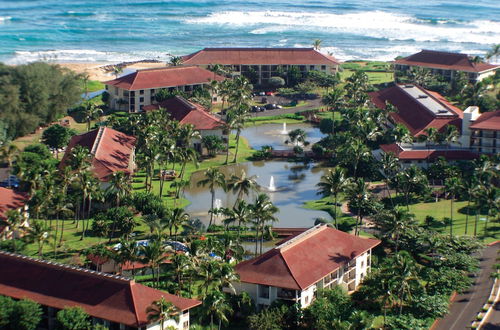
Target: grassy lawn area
column 278, row 119
column 345, row 221
column 92, row 86
column 441, row 210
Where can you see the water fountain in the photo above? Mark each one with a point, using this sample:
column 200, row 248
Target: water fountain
column 272, row 186
column 284, row 131
column 217, row 203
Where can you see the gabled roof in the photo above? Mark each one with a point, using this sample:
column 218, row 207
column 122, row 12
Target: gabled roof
column 255, row 56
column 104, row 296
column 445, row 60
column 186, row 112
column 488, row 121
column 111, row 150
column 10, row 200
column 424, row 154
column 164, row 77
column 420, row 112
column 305, row 259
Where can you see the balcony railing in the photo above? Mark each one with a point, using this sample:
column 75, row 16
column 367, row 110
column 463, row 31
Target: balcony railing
column 286, row 294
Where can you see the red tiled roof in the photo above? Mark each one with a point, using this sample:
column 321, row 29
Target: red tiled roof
column 255, row 56
column 488, row 121
column 413, row 114
column 305, row 259
column 187, row 112
column 110, row 148
column 431, row 154
column 10, row 200
column 108, row 297
column 164, row 77
column 445, row 60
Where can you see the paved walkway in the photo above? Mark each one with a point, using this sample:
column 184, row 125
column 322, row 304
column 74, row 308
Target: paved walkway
column 312, row 104
column 465, row 306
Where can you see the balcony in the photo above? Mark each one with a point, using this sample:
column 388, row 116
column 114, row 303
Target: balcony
column 287, row 294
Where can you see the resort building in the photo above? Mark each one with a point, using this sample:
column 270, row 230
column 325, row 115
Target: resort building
column 112, row 151
column 264, row 63
column 446, row 64
column 318, row 258
column 116, row 302
column 419, row 109
column 481, row 132
column 134, row 91
column 12, row 200
column 186, row 112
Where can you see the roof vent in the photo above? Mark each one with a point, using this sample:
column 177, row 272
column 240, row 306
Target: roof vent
column 422, row 96
column 408, row 86
column 442, row 111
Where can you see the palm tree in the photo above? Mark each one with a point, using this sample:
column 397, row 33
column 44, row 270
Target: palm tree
column 263, row 211
column 240, row 213
column 317, row 44
column 153, row 254
column 92, row 112
column 453, row 185
column 230, row 123
column 351, row 153
column 213, row 178
column 38, row 232
column 420, row 76
column 331, row 185
column 241, row 115
column 242, row 185
column 8, row 153
column 297, row 136
column 389, row 167
column 15, row 221
column 334, row 100
column 494, row 52
column 161, row 311
column 208, row 273
column 175, row 60
column 181, row 265
column 394, row 223
column 431, row 137
column 216, row 306
column 449, row 136
column 117, row 69
column 468, row 186
column 128, row 252
column 119, row 187
column 492, row 200
column 176, row 218
column 358, row 195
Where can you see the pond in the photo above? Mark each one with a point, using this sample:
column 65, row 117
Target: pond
column 295, row 184
column 274, row 135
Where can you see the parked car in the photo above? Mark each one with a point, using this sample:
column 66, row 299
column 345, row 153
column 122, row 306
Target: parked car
column 262, row 94
column 262, row 109
column 269, row 93
column 279, row 107
column 255, row 108
column 12, row 182
column 270, row 106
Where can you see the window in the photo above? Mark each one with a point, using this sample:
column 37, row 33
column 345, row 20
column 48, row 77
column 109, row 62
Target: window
column 132, row 107
column 323, row 67
column 311, row 67
column 362, row 264
column 152, row 91
column 306, row 300
column 141, row 92
column 116, row 91
column 132, row 93
column 141, row 107
column 264, row 291
column 141, row 99
column 186, row 325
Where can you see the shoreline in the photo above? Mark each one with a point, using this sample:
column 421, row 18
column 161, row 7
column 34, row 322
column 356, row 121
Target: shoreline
column 101, row 71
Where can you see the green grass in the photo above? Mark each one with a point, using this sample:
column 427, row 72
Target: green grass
column 92, row 86
column 288, row 118
column 345, row 221
column 442, row 209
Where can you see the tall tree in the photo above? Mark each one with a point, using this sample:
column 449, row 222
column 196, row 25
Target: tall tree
column 242, row 185
column 162, row 311
column 213, row 178
column 331, row 185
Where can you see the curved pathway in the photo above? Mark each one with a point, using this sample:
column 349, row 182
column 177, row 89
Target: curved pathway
column 465, row 306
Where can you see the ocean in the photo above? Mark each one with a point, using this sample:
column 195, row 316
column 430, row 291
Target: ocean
column 128, row 30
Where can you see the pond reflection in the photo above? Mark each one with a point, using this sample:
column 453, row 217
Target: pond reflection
column 295, row 184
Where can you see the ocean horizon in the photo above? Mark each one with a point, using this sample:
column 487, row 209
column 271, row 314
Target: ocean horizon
column 116, row 31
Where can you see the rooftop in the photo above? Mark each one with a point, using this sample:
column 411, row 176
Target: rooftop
column 446, row 60
column 487, row 121
column 187, row 112
column 111, row 150
column 104, row 296
column 10, row 200
column 431, row 154
column 306, row 258
column 164, row 77
column 255, row 56
column 418, row 108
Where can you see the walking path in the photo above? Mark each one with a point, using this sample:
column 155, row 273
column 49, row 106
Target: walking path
column 312, row 104
column 465, row 306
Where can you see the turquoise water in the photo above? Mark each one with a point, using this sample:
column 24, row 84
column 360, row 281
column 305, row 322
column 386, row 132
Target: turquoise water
column 118, row 30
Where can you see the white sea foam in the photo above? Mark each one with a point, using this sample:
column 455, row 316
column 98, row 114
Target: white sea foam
column 5, row 18
column 83, row 55
column 376, row 24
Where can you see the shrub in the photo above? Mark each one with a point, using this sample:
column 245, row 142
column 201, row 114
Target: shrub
column 73, row 318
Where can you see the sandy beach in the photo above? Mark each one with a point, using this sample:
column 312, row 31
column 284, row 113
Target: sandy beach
column 96, row 70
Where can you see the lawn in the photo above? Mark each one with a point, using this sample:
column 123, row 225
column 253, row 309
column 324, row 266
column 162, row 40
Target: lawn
column 92, row 86
column 288, row 118
column 441, row 209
